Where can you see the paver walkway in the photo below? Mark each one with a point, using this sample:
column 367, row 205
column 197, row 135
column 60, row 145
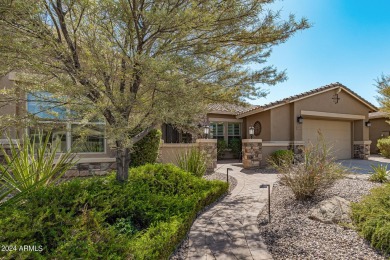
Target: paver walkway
column 229, row 229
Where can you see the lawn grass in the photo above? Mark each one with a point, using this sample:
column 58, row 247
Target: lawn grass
column 99, row 218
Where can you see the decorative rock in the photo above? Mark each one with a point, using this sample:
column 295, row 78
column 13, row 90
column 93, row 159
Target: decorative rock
column 332, row 210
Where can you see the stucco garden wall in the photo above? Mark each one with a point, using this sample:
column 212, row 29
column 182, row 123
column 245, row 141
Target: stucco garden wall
column 378, row 127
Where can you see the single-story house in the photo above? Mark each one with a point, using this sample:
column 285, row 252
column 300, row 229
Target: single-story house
column 379, row 129
column 340, row 114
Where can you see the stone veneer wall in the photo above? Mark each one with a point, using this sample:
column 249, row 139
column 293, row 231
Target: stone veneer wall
column 298, row 150
column 361, row 149
column 251, row 153
column 209, row 146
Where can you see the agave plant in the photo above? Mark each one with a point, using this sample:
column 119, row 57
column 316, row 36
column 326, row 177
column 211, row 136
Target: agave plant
column 31, row 164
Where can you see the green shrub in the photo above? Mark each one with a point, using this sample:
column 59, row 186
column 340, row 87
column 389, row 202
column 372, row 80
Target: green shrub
column 372, row 217
column 100, row 218
column 221, row 147
column 281, row 157
column 379, row 173
column 193, row 161
column 146, row 150
column 30, row 165
column 236, row 146
column 384, row 146
column 315, row 174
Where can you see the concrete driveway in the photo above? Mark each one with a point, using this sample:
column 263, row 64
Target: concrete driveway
column 364, row 166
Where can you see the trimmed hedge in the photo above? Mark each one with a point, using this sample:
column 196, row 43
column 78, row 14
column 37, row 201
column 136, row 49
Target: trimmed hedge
column 384, row 146
column 372, row 217
column 99, row 218
column 146, row 150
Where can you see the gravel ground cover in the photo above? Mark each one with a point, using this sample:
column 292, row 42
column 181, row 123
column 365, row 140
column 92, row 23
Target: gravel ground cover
column 292, row 235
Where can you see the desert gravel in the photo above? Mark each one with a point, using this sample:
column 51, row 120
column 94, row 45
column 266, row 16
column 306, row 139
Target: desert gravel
column 292, row 235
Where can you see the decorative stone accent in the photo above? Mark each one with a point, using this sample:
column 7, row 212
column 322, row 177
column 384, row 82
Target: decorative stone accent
column 252, row 153
column 298, row 149
column 361, row 149
column 332, row 210
column 209, row 146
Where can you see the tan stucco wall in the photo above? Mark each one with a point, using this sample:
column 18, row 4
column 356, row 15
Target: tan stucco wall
column 281, row 116
column 265, row 119
column 268, row 150
column 378, row 125
column 169, row 152
column 9, row 109
column 220, row 116
column 324, row 103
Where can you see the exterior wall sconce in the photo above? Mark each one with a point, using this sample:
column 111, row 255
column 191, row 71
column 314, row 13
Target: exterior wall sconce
column 368, row 123
column 206, row 131
column 300, row 119
column 251, row 131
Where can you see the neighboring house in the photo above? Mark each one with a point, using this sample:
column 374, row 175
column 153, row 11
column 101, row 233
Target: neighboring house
column 338, row 112
column 379, row 129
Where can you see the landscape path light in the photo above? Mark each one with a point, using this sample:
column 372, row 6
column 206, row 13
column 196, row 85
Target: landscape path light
column 227, row 174
column 262, row 186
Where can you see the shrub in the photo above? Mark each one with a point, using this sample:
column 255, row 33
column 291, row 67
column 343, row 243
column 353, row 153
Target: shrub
column 281, row 157
column 384, row 146
column 379, row 173
column 146, row 150
column 372, row 217
column 100, row 218
column 193, row 161
column 221, row 147
column 236, row 147
column 31, row 165
column 317, row 173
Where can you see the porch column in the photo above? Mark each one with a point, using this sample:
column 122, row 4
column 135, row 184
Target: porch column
column 252, row 153
column 361, row 149
column 209, row 146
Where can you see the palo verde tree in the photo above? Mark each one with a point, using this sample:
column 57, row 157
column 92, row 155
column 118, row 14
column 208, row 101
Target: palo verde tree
column 139, row 63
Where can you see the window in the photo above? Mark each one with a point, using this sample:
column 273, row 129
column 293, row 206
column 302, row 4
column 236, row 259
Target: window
column 217, row 131
column 70, row 136
column 234, row 132
column 87, row 138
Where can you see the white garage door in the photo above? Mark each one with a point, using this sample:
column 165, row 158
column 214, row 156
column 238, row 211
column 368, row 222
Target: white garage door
column 336, row 133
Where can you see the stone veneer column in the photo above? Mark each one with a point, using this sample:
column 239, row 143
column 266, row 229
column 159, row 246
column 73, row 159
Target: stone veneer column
column 252, row 153
column 298, row 148
column 361, row 149
column 209, row 146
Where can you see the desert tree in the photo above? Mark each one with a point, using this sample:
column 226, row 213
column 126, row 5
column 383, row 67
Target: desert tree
column 140, row 63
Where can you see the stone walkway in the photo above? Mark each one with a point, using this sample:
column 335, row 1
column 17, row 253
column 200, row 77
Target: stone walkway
column 229, row 229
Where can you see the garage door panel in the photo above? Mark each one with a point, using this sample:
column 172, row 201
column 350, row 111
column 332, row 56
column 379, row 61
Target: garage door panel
column 336, row 133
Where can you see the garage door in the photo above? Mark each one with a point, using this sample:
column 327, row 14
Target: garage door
column 336, row 133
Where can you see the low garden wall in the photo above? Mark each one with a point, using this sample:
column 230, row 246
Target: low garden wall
column 169, row 152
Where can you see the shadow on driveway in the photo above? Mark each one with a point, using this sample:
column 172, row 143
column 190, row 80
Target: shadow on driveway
column 364, row 166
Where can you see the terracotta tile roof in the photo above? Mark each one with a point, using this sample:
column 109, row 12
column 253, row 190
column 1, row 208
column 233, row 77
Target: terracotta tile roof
column 306, row 94
column 229, row 108
column 378, row 114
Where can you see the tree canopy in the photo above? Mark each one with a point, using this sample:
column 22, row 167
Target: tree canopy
column 139, row 63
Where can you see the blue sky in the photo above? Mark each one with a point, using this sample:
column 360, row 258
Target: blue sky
column 349, row 42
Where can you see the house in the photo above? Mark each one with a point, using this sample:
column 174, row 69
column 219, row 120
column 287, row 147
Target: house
column 339, row 113
column 379, row 129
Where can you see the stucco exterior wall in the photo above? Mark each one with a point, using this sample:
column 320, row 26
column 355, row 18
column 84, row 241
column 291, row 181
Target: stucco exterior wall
column 378, row 126
column 169, row 152
column 281, row 116
column 265, row 119
column 323, row 102
column 6, row 82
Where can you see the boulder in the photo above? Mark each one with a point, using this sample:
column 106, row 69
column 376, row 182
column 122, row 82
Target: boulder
column 332, row 210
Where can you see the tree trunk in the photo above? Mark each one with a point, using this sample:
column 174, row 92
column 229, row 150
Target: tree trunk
column 122, row 164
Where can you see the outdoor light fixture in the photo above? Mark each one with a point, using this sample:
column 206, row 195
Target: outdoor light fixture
column 262, row 186
column 251, row 131
column 227, row 174
column 206, row 131
column 368, row 123
column 300, row 119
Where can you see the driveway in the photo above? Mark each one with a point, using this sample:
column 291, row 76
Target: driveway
column 364, row 166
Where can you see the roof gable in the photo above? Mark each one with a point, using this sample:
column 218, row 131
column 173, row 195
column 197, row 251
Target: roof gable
column 304, row 95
